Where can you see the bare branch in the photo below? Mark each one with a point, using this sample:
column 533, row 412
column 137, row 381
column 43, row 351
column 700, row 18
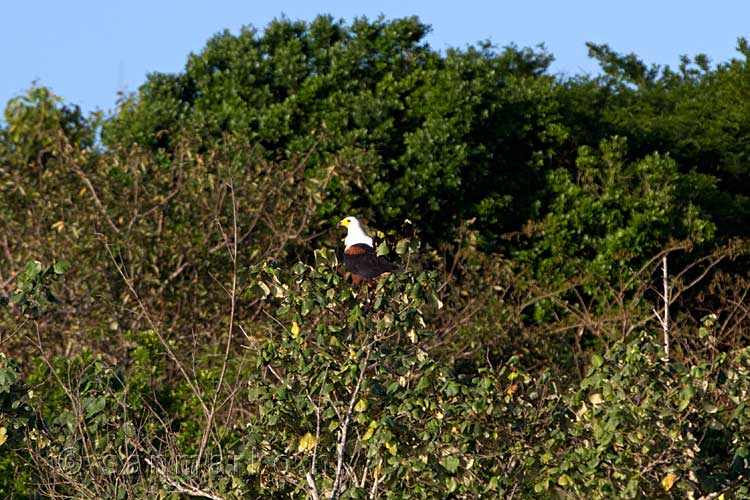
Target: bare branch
column 98, row 202
column 310, row 476
column 313, row 488
column 233, row 302
column 165, row 344
column 345, row 427
column 179, row 487
column 664, row 318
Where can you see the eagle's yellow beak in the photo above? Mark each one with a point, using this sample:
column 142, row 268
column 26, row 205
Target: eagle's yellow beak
column 344, row 222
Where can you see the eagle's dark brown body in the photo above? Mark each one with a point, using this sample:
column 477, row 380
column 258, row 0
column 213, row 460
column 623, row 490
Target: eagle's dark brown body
column 363, row 262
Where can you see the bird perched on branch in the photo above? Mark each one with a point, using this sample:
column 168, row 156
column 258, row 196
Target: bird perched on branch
column 360, row 257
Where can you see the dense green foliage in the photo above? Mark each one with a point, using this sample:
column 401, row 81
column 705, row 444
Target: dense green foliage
column 410, row 132
column 176, row 323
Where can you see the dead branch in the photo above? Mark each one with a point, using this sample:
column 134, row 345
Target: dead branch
column 180, row 487
column 345, row 426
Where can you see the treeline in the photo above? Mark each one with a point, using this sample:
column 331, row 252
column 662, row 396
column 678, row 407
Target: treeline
column 571, row 320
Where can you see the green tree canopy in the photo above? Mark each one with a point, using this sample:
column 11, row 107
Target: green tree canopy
column 410, row 132
column 697, row 113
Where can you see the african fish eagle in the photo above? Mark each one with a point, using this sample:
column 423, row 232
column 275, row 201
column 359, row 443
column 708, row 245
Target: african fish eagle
column 360, row 257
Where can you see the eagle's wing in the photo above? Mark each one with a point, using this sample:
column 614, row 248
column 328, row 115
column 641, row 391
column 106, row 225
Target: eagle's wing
column 362, row 259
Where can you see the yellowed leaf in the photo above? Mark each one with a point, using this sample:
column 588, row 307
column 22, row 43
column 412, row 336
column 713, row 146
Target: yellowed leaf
column 370, row 430
column 361, row 405
column 392, row 447
column 668, row 481
column 376, row 471
column 582, row 411
column 564, row 480
column 3, row 435
column 596, row 399
column 295, row 330
column 412, row 334
column 307, row 442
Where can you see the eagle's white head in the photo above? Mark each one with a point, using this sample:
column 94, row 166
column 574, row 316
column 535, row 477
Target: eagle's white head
column 355, row 234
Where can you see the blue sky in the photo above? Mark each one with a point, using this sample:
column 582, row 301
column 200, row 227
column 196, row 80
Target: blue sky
column 87, row 51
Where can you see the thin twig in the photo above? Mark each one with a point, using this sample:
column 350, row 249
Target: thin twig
column 313, row 488
column 310, row 476
column 278, row 377
column 157, row 331
column 233, row 302
column 376, row 480
column 345, row 427
column 179, row 487
column 664, row 317
column 97, row 201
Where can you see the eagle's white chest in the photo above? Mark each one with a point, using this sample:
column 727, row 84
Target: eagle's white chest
column 355, row 236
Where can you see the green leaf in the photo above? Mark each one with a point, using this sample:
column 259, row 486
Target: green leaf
column 8, row 377
column 32, row 269
column 710, row 408
column 452, row 484
column 61, row 267
column 361, row 405
column 452, row 389
column 597, row 361
column 402, row 246
column 95, row 405
column 686, row 394
column 382, row 249
column 451, row 464
column 494, row 482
